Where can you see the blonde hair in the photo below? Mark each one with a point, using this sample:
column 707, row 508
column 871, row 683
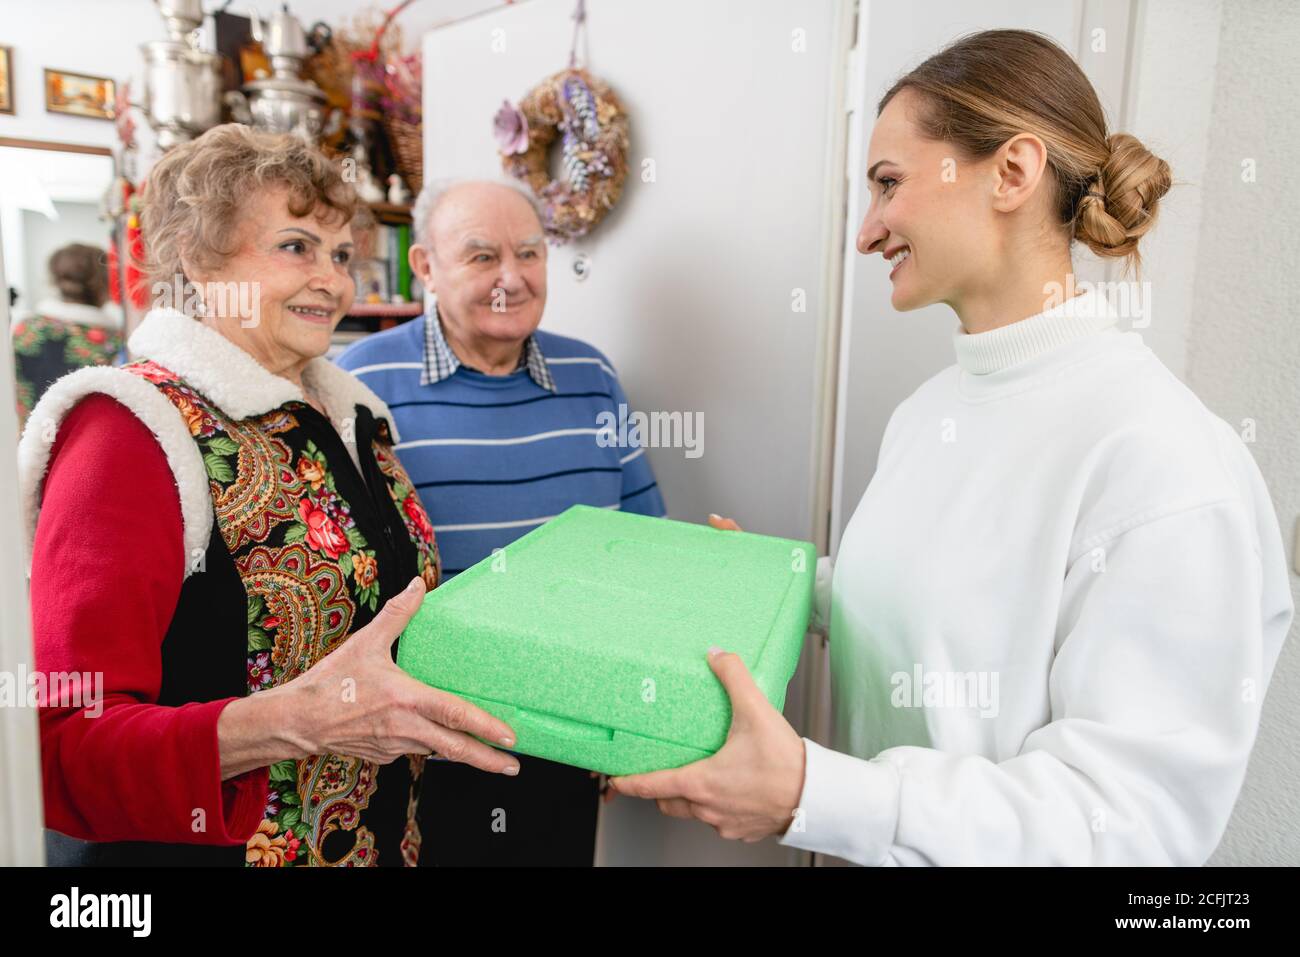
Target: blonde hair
column 196, row 193
column 988, row 87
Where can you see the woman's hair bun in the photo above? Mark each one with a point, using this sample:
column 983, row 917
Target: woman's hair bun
column 1120, row 205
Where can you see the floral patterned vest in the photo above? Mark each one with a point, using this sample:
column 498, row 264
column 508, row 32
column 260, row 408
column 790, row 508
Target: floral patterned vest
column 46, row 348
column 316, row 545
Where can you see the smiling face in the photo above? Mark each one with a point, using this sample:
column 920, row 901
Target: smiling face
column 486, row 260
column 933, row 212
column 291, row 283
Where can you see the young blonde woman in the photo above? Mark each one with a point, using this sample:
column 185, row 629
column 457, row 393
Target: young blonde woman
column 1056, row 610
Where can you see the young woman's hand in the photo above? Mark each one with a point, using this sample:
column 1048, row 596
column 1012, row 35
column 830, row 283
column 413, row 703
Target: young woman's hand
column 725, row 524
column 749, row 790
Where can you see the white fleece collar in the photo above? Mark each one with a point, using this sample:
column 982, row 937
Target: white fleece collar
column 81, row 313
column 236, row 382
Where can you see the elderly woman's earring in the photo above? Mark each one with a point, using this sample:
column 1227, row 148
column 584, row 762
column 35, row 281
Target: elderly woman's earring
column 200, row 308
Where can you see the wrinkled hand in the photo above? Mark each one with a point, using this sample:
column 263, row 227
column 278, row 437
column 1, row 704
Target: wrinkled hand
column 356, row 701
column 749, row 790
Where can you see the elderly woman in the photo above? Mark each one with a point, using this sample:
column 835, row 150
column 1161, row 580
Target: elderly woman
column 227, row 549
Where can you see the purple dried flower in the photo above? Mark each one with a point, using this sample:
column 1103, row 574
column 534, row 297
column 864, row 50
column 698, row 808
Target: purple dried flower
column 511, row 129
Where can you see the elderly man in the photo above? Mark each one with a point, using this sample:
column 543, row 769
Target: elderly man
column 499, row 426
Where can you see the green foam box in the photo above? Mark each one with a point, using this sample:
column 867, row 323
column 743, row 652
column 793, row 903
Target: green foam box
column 589, row 635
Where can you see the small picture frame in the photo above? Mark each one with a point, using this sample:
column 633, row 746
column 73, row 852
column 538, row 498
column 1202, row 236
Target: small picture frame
column 371, row 276
column 79, row 94
column 7, row 80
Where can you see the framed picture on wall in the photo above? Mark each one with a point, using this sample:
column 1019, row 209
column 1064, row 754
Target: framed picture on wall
column 7, row 80
column 78, row 94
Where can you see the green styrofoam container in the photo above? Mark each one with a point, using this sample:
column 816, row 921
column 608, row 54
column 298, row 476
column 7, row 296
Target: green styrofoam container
column 589, row 635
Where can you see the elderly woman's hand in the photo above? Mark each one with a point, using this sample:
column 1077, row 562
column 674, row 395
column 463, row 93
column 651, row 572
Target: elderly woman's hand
column 356, row 701
column 749, row 789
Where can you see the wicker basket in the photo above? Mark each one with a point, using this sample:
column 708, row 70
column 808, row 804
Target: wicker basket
column 405, row 133
column 371, row 33
column 407, row 140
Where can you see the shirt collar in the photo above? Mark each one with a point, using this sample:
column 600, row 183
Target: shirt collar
column 1006, row 346
column 440, row 362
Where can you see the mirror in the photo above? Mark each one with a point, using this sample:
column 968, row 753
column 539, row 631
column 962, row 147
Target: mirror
column 54, row 195
column 56, row 229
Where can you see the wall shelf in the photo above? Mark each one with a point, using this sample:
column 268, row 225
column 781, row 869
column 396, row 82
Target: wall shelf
column 391, row 215
column 385, row 310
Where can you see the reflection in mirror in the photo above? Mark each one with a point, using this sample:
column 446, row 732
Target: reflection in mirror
column 55, row 234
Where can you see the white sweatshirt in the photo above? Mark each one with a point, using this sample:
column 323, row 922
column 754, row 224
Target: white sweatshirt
column 1053, row 615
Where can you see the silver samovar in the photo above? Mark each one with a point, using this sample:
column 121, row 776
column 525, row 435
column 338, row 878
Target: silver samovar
column 182, row 84
column 283, row 102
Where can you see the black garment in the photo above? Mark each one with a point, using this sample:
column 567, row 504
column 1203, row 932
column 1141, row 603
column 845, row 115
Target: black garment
column 544, row 817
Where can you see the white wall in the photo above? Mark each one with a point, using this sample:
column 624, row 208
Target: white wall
column 1243, row 355
column 65, row 35
column 1170, row 109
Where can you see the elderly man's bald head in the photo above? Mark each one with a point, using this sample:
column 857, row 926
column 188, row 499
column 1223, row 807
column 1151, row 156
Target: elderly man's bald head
column 435, row 198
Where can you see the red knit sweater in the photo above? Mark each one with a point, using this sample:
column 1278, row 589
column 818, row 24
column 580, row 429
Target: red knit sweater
column 106, row 577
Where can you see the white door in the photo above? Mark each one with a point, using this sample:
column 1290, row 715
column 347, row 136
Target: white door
column 711, row 287
column 22, row 840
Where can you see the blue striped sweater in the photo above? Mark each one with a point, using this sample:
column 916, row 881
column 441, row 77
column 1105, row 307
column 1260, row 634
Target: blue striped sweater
column 493, row 457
